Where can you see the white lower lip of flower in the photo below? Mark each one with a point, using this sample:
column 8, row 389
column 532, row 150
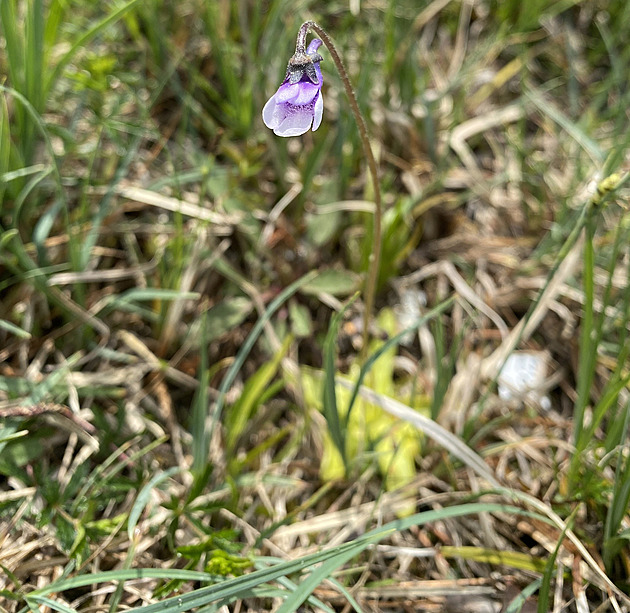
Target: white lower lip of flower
column 287, row 119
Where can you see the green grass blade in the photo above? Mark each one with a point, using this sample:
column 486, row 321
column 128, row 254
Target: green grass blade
column 26, row 194
column 38, row 122
column 8, row 432
column 253, row 391
column 199, row 407
column 144, row 496
column 513, row 559
column 546, row 107
column 516, row 605
column 151, row 294
column 83, row 40
column 26, row 171
column 291, row 586
column 336, row 556
column 545, row 586
column 588, row 354
column 109, row 468
column 603, row 407
column 56, row 13
column 55, row 605
column 620, row 499
column 316, row 578
column 5, row 147
column 14, row 50
column 13, row 329
column 329, row 393
column 131, row 574
column 247, row 346
column 346, row 593
column 34, row 54
column 236, row 587
column 392, row 342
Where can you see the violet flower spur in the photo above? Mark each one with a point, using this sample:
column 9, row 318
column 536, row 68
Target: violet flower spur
column 298, row 104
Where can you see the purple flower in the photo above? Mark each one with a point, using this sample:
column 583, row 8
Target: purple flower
column 298, row 103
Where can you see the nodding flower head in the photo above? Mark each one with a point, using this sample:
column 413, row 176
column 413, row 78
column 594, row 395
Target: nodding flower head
column 298, row 104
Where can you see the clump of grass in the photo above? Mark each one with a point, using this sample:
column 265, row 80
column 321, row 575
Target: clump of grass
column 158, row 316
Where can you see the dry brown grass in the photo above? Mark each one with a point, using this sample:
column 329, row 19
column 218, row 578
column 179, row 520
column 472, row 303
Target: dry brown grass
column 99, row 391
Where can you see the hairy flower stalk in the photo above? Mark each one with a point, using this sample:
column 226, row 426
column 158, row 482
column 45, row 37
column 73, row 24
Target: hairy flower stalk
column 298, row 105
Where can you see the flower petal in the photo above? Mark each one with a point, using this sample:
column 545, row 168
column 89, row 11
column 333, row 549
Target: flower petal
column 307, row 93
column 318, row 71
column 287, row 92
column 319, row 111
column 297, row 121
column 270, row 115
column 313, row 46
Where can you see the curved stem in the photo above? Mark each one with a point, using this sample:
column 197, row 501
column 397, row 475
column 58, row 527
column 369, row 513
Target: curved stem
column 375, row 256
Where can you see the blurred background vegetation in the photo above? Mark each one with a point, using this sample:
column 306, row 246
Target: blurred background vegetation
column 176, row 283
